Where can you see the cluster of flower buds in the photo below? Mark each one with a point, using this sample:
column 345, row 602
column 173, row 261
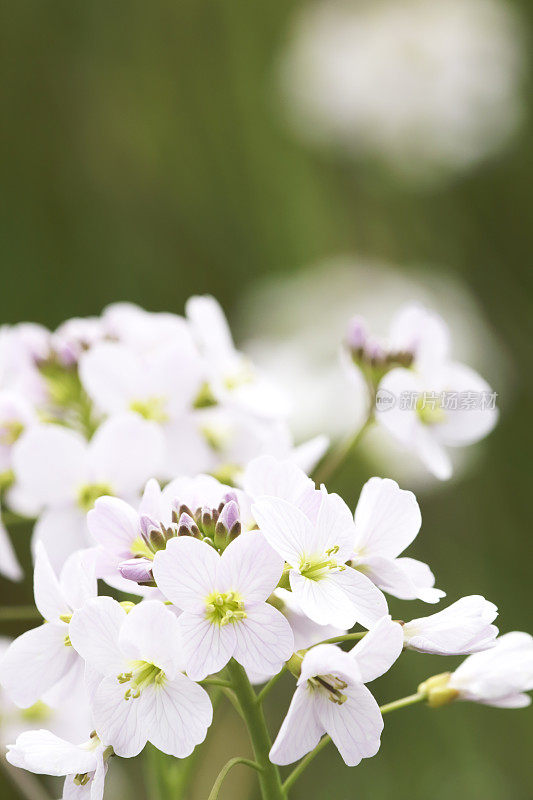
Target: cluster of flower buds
column 218, row 526
column 370, row 355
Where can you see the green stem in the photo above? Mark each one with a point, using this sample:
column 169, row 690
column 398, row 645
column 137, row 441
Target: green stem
column 269, row 777
column 216, row 682
column 17, row 613
column 346, row 637
column 213, row 795
column 271, row 683
column 402, row 703
column 304, row 763
column 339, row 452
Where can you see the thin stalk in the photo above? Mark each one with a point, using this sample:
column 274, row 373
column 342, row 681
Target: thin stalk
column 213, row 794
column 402, row 703
column 269, row 777
column 346, row 637
column 271, row 683
column 340, row 452
column 304, row 763
column 18, row 613
column 216, row 682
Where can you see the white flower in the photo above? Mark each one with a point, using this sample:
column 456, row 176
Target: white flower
column 139, row 692
column 58, row 471
column 499, row 676
column 387, row 520
column 43, row 659
column 462, row 628
column 316, row 539
column 84, row 765
column 331, row 698
column 75, row 336
column 223, row 601
column 232, row 377
column 160, row 385
column 425, row 400
column 429, row 88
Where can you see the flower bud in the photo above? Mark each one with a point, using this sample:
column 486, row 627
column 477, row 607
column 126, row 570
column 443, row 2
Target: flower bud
column 188, row 527
column 437, row 690
column 356, row 336
column 138, row 570
column 228, row 526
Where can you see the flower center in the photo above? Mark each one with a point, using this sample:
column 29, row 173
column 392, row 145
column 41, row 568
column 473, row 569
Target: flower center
column 140, row 675
column 330, row 684
column 317, row 567
column 430, row 413
column 223, row 608
column 90, row 492
column 152, row 408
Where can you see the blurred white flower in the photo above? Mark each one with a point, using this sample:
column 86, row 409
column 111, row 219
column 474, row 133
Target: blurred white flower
column 298, row 344
column 428, row 86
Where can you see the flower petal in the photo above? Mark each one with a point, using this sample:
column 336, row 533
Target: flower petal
column 387, row 518
column 300, row 731
column 114, row 525
column 264, row 640
column 186, row 572
column 141, row 636
column 120, row 722
column 182, row 713
column 355, row 726
column 94, row 633
column 285, row 527
column 35, row 662
column 46, row 754
column 207, row 647
column 250, row 566
column 379, row 649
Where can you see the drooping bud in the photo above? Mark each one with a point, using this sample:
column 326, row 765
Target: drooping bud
column 228, row 526
column 138, row 570
column 188, row 527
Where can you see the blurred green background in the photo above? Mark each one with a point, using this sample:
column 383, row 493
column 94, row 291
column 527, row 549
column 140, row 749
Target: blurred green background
column 143, row 158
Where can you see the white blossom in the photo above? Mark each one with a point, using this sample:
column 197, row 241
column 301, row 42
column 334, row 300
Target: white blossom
column 223, row 599
column 62, row 474
column 139, row 692
column 41, row 664
column 462, row 628
column 331, row 698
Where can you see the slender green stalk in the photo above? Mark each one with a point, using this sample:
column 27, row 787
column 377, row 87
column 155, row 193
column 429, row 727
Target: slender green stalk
column 304, row 763
column 19, row 613
column 269, row 777
column 339, row 453
column 11, row 519
column 271, row 683
column 213, row 794
column 402, row 703
column 346, row 637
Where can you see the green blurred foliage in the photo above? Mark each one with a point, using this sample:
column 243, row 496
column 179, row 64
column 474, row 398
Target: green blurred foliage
column 144, row 158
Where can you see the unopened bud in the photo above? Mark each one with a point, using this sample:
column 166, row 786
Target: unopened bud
column 437, row 690
column 228, row 526
column 188, row 527
column 356, row 335
column 138, row 570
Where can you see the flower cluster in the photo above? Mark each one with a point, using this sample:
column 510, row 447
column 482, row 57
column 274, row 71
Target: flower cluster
column 214, row 586
column 103, row 404
column 424, row 398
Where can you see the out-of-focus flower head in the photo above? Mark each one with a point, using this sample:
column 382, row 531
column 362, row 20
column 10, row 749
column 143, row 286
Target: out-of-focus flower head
column 429, row 87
